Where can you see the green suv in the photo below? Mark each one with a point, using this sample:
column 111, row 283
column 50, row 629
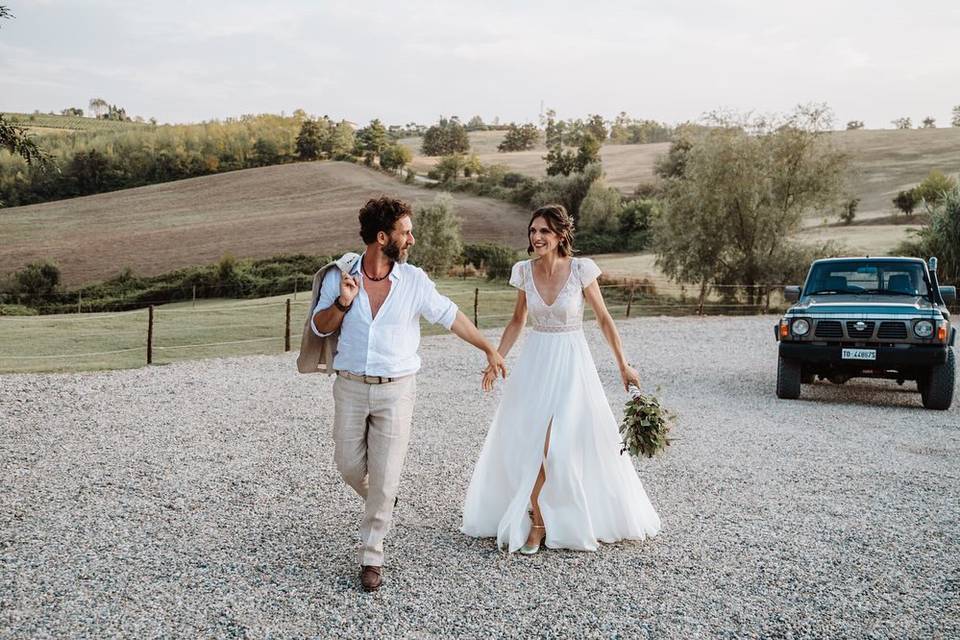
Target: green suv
column 872, row 318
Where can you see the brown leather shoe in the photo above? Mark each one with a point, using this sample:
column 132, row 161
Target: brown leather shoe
column 371, row 577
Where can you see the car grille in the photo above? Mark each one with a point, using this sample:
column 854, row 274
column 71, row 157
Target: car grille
column 866, row 332
column 828, row 329
column 892, row 331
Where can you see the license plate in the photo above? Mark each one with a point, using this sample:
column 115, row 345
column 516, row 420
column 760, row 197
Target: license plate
column 859, row 354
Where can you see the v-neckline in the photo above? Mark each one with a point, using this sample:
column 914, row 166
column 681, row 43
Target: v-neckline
column 533, row 281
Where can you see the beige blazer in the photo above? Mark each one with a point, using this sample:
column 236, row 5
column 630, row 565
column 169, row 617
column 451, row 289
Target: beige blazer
column 316, row 353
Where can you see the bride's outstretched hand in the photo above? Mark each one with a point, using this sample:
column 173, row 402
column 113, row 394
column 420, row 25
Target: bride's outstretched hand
column 629, row 376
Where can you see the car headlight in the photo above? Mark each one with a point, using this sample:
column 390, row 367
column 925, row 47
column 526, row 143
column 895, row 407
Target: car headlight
column 923, row 329
column 800, row 327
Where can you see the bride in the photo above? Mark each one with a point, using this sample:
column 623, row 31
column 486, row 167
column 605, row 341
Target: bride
column 551, row 471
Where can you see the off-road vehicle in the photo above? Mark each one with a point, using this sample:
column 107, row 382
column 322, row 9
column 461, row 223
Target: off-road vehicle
column 873, row 318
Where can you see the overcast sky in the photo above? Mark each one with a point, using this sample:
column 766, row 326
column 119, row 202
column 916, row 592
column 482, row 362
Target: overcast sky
column 414, row 60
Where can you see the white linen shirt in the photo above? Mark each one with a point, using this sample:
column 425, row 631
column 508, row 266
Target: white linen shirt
column 386, row 345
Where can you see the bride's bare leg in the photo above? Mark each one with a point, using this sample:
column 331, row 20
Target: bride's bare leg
column 537, row 534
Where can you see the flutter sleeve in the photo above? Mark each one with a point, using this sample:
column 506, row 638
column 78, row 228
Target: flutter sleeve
column 518, row 274
column 589, row 271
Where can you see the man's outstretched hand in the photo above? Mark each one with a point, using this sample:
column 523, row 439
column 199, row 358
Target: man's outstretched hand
column 495, row 365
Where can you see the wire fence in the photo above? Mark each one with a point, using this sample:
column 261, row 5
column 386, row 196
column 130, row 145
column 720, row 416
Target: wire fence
column 161, row 334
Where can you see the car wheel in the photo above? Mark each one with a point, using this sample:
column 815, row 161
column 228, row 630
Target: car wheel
column 936, row 386
column 788, row 378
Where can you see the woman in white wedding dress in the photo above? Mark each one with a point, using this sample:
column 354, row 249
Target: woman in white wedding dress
column 551, row 471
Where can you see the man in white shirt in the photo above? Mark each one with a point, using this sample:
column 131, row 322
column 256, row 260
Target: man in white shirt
column 377, row 309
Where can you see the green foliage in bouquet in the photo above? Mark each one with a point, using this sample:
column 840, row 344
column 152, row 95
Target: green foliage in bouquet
column 645, row 426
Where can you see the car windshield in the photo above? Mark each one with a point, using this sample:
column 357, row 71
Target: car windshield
column 869, row 277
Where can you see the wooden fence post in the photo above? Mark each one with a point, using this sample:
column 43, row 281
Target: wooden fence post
column 476, row 306
column 286, row 332
column 79, row 300
column 194, row 296
column 630, row 299
column 296, row 285
column 150, row 334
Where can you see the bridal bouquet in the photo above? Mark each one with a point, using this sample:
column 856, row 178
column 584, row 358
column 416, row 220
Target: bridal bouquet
column 645, row 425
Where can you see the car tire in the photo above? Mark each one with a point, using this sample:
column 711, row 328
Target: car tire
column 789, row 373
column 936, row 386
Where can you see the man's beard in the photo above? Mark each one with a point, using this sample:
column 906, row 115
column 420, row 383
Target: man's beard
column 395, row 252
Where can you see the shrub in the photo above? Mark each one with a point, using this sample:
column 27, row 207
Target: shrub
column 494, row 259
column 934, row 188
column 849, row 211
column 600, row 209
column 906, row 201
column 439, row 242
column 39, row 278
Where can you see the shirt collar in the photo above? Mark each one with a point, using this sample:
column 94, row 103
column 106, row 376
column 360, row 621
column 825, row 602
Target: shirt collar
column 394, row 273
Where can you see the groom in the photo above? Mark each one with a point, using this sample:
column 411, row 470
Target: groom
column 376, row 306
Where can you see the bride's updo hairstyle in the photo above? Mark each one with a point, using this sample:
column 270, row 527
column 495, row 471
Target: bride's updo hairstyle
column 560, row 222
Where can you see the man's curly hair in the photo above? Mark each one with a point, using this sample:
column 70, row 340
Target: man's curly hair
column 381, row 214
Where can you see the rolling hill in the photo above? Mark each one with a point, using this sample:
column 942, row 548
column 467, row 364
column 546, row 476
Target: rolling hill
column 884, row 161
column 255, row 213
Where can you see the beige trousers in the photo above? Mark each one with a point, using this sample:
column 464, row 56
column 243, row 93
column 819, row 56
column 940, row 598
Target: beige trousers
column 371, row 429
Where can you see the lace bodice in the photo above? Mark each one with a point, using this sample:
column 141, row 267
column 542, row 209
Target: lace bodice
column 566, row 312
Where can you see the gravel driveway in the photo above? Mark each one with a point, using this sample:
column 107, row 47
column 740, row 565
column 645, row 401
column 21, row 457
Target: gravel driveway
column 200, row 499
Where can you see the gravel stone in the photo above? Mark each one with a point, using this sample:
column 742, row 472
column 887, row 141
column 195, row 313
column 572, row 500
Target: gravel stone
column 200, row 499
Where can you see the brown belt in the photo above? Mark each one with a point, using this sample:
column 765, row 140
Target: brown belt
column 368, row 379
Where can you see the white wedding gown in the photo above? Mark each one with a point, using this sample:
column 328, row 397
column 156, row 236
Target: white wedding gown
column 592, row 493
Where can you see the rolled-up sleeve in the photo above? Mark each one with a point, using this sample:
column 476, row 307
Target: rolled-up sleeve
column 437, row 308
column 329, row 290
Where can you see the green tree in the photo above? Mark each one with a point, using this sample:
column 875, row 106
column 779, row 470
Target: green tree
column 929, row 123
column 902, row 123
column 445, row 138
column 98, row 106
column 372, row 140
column 451, row 167
column 566, row 190
column 588, row 152
column 311, row 139
column 597, row 127
column 266, row 152
column 906, row 201
column 600, row 209
column 849, row 211
column 941, row 238
column 476, row 124
column 37, row 278
column 955, row 116
column 519, row 138
column 439, row 242
column 72, row 111
column 744, row 188
column 674, row 164
column 554, row 130
column 934, row 188
column 341, row 142
column 395, row 157
column 854, row 124
column 560, row 162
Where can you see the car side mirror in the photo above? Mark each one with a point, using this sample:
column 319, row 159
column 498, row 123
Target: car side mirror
column 791, row 293
column 949, row 294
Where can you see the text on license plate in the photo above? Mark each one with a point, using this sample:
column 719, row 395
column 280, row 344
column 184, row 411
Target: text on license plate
column 859, row 354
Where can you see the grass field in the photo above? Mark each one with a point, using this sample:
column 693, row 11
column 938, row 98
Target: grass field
column 210, row 328
column 224, row 328
column 255, row 213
